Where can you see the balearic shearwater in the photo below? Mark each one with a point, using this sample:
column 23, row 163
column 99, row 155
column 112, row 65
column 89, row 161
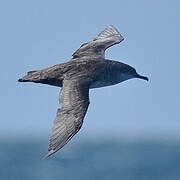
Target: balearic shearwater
column 87, row 69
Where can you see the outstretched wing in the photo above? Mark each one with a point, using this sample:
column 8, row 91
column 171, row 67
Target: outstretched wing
column 74, row 99
column 95, row 49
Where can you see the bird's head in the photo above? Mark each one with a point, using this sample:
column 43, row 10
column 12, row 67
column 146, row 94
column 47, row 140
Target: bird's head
column 128, row 72
column 131, row 73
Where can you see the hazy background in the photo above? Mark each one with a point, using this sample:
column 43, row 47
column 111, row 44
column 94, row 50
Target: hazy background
column 38, row 34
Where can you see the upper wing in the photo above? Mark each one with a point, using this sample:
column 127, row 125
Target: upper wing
column 95, row 49
column 74, row 98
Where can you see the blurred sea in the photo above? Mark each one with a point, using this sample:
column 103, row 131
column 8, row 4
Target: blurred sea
column 90, row 160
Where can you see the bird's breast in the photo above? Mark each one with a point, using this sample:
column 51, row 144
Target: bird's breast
column 98, row 84
column 105, row 78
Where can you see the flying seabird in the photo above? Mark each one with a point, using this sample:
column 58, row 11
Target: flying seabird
column 87, row 69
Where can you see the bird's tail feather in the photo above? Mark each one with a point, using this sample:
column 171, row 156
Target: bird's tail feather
column 32, row 76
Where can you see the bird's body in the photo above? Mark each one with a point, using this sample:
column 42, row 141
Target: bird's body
column 87, row 69
column 98, row 73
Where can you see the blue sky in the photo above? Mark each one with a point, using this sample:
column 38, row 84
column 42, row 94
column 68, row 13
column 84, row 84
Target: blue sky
column 39, row 34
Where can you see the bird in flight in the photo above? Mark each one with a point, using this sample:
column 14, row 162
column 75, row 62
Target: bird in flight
column 87, row 69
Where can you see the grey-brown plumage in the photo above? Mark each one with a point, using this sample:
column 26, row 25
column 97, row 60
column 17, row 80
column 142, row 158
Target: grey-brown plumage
column 87, row 69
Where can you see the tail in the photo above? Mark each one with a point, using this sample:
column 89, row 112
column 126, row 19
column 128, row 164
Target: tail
column 32, row 76
column 43, row 76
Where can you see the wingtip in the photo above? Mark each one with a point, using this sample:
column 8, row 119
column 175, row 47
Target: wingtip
column 48, row 155
column 112, row 26
column 110, row 31
column 114, row 29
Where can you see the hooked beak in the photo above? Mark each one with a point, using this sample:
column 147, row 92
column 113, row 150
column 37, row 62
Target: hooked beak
column 142, row 77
